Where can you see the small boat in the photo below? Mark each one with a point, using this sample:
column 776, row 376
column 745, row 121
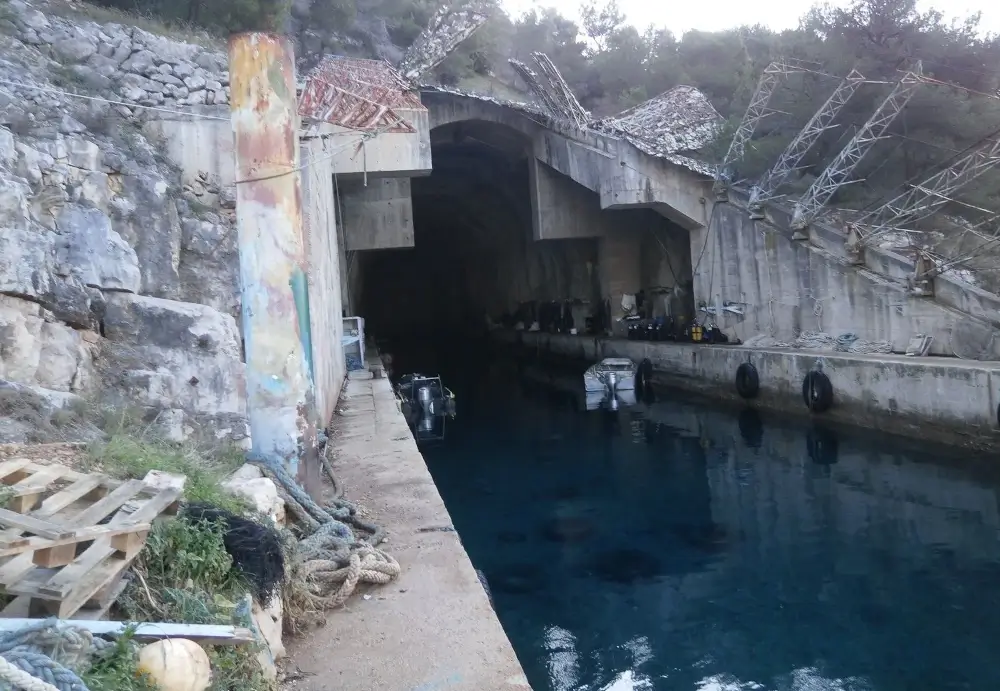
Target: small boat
column 425, row 403
column 610, row 375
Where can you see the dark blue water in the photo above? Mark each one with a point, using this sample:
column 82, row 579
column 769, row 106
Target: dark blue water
column 673, row 546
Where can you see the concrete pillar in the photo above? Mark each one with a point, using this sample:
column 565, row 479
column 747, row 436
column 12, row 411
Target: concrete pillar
column 273, row 279
column 619, row 262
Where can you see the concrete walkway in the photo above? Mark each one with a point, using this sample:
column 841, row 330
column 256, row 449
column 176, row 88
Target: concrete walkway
column 433, row 628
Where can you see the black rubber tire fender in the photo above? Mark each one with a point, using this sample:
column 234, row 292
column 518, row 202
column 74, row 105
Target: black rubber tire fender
column 747, row 381
column 817, row 392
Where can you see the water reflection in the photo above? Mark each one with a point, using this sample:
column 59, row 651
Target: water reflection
column 670, row 546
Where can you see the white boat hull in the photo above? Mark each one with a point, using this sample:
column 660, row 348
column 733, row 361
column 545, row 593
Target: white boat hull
column 598, row 377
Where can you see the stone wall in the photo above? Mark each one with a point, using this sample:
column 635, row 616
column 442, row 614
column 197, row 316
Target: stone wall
column 118, row 278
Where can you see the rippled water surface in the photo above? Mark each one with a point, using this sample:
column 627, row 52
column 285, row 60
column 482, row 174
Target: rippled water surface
column 673, row 546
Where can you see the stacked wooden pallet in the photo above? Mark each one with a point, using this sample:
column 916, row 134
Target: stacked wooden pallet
column 68, row 537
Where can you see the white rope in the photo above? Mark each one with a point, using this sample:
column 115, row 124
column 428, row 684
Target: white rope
column 20, row 679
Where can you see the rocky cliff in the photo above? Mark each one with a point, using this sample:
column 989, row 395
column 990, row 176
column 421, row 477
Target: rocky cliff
column 118, row 280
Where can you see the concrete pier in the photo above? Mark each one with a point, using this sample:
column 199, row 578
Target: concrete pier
column 934, row 398
column 433, row 627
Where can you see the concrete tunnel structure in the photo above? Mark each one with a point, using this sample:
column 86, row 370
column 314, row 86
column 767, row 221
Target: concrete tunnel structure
column 485, row 206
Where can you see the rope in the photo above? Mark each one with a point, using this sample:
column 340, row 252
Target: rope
column 20, row 679
column 818, row 340
column 47, row 656
column 332, row 559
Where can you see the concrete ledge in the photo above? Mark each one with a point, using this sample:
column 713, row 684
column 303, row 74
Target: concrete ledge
column 433, row 628
column 939, row 399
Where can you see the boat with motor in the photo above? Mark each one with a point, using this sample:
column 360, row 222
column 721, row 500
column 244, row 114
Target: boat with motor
column 425, row 403
column 611, row 375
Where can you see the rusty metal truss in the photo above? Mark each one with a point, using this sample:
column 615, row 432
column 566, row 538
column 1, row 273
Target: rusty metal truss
column 358, row 94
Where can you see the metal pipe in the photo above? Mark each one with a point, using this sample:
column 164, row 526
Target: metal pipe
column 273, row 288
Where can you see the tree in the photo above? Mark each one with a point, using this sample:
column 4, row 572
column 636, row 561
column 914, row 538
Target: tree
column 601, row 22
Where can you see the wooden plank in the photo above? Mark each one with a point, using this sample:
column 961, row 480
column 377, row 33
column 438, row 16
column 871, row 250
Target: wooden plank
column 35, row 526
column 55, row 586
column 109, row 504
column 60, row 500
column 74, row 537
column 16, row 570
column 94, row 611
column 61, row 584
column 159, row 503
column 27, row 491
column 153, row 631
column 13, row 469
column 88, row 586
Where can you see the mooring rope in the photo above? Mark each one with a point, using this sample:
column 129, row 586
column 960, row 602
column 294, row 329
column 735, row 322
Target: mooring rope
column 332, row 558
column 47, row 656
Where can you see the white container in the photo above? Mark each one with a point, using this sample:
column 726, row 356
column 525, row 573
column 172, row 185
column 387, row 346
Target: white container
column 354, row 338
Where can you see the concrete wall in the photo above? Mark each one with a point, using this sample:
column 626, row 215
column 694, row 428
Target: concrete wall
column 389, row 154
column 196, row 144
column 926, row 398
column 562, row 209
column 323, row 255
column 378, row 215
column 786, row 287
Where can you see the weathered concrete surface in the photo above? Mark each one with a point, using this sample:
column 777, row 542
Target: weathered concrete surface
column 377, row 216
column 433, row 627
column 323, row 254
column 948, row 400
column 785, row 287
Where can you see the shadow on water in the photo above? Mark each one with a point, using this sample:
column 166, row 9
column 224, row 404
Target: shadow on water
column 672, row 545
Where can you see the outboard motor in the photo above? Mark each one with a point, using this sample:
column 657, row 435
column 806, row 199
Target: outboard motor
column 426, row 399
column 611, row 382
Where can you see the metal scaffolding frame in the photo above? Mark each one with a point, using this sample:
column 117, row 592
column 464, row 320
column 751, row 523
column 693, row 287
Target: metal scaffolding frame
column 560, row 91
column 535, row 84
column 792, row 156
column 756, row 111
column 838, row 173
column 929, row 196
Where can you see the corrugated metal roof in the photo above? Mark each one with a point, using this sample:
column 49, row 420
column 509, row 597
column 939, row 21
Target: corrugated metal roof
column 358, row 94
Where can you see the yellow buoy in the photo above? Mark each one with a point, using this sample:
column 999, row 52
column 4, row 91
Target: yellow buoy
column 176, row 664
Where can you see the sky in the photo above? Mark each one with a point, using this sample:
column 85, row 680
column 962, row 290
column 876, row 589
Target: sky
column 684, row 15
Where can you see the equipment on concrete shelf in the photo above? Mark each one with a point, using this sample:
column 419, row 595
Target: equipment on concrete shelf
column 425, row 403
column 610, row 375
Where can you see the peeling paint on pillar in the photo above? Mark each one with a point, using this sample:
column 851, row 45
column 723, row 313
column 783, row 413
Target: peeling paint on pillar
column 272, row 251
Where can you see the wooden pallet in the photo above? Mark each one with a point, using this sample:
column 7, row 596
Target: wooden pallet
column 68, row 537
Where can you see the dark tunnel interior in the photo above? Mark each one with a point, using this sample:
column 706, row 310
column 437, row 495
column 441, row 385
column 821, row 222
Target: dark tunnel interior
column 475, row 254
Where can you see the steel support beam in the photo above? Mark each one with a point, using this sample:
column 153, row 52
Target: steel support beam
column 273, row 281
column 839, row 172
column 792, row 156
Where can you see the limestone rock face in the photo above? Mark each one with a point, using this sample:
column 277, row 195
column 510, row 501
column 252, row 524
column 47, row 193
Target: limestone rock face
column 118, row 274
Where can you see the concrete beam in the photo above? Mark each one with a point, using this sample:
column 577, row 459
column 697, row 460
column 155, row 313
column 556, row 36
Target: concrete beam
column 390, row 154
column 378, row 216
column 562, row 209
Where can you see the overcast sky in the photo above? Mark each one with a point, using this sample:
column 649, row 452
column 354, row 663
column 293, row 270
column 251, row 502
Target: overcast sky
column 682, row 15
